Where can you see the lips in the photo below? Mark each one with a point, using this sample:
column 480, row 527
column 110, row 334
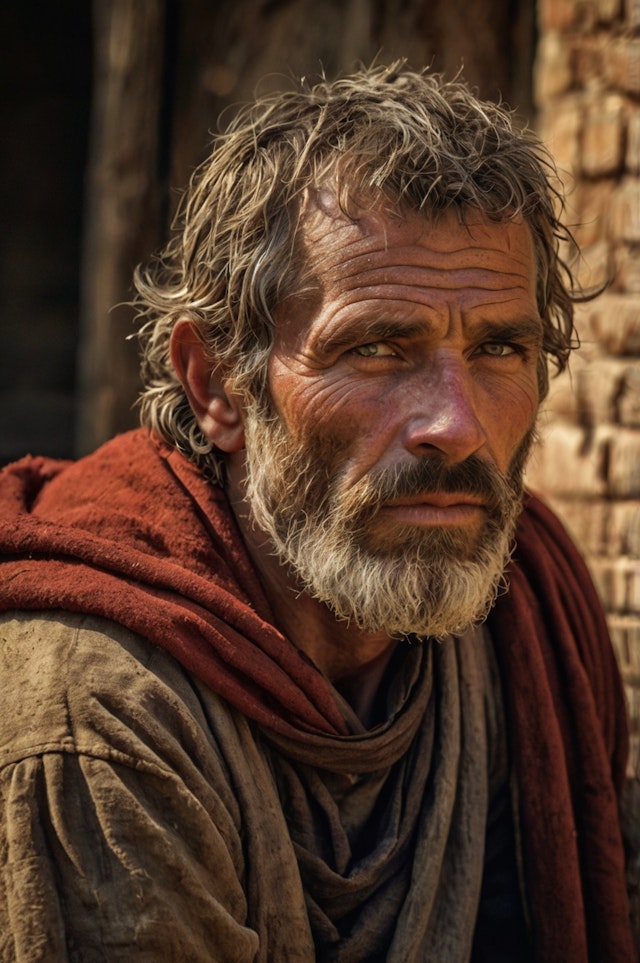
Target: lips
column 437, row 500
column 435, row 509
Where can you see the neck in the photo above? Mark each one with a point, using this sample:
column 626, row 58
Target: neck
column 353, row 661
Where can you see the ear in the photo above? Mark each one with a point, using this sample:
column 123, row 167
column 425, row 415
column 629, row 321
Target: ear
column 218, row 411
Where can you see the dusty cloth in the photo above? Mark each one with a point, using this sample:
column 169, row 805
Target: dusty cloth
column 142, row 816
column 133, row 534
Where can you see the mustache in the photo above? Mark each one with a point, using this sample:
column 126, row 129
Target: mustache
column 475, row 477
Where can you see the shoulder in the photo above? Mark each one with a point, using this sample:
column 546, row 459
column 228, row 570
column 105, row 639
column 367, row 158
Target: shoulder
column 87, row 686
column 115, row 785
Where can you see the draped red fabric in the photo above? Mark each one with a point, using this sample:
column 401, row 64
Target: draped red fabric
column 134, row 533
column 569, row 742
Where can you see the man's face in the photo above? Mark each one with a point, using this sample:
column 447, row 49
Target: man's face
column 404, row 396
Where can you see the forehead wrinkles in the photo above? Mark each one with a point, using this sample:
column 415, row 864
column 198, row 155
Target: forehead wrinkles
column 407, row 272
column 358, row 274
column 417, row 251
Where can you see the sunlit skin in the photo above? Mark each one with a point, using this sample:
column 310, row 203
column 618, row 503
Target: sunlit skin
column 419, row 339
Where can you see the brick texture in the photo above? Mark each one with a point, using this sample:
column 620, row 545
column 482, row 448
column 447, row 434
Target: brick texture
column 602, row 138
column 588, row 464
column 613, row 321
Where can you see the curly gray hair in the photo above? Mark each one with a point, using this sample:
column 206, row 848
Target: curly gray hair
column 385, row 132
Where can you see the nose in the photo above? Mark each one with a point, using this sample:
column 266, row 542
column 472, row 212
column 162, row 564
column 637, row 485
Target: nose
column 445, row 419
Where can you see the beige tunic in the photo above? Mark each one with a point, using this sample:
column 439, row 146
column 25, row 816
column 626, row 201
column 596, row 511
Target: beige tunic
column 140, row 816
column 105, row 859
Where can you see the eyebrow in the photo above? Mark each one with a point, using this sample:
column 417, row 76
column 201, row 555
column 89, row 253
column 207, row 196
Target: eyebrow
column 373, row 329
column 523, row 328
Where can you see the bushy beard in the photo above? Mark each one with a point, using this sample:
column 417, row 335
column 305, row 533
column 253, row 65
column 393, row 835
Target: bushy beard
column 413, row 581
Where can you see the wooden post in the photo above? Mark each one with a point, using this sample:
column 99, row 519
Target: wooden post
column 122, row 208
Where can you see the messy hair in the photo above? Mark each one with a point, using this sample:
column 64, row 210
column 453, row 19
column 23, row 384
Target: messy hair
column 410, row 138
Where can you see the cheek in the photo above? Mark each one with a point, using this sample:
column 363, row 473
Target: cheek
column 329, row 408
column 510, row 414
column 346, row 428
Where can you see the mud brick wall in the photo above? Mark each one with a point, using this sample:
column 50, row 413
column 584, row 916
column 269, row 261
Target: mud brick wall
column 587, row 88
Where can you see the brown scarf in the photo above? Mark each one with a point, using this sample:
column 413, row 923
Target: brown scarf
column 134, row 534
column 390, row 845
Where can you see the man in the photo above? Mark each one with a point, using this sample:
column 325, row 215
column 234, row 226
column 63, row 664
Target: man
column 273, row 688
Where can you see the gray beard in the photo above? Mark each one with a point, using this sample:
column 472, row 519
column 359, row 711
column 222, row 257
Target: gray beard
column 425, row 583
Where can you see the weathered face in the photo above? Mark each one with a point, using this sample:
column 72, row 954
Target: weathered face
column 405, row 390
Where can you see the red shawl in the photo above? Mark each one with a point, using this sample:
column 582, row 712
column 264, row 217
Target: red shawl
column 133, row 533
